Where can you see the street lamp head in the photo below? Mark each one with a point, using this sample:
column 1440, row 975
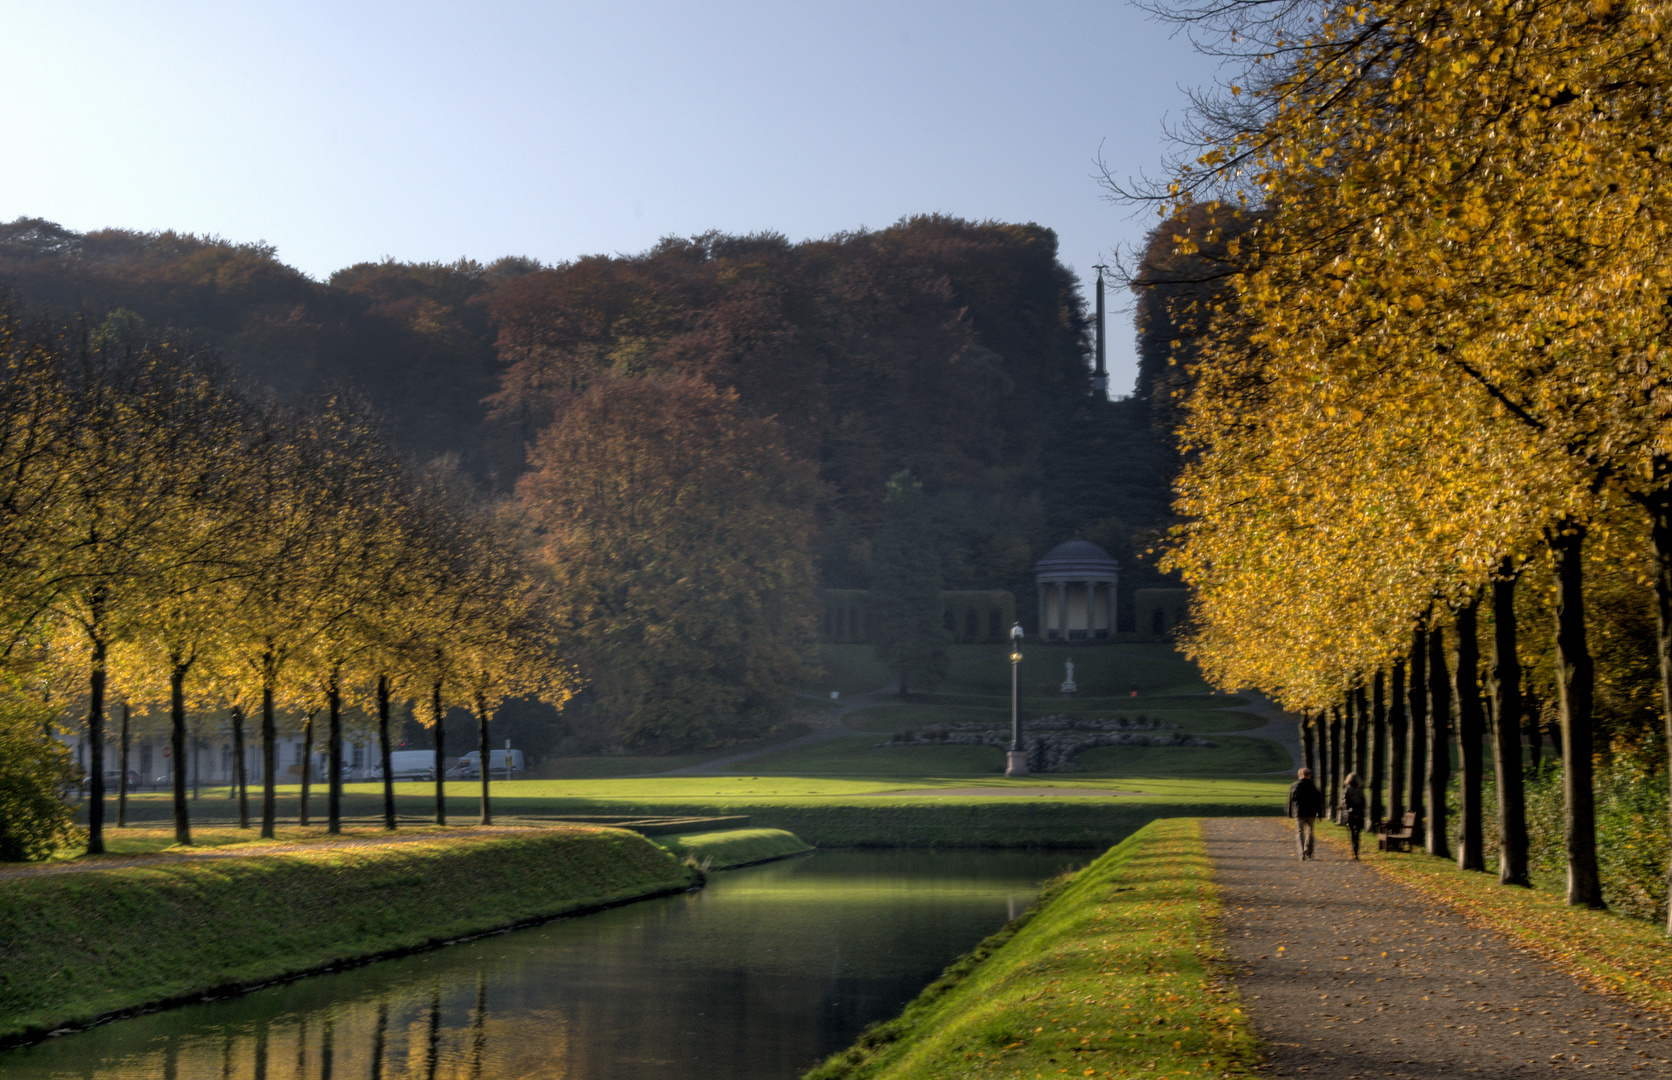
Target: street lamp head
column 1016, row 634
column 1016, row 644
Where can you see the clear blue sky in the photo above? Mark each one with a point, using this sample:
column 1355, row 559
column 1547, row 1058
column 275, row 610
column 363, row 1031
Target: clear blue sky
column 345, row 131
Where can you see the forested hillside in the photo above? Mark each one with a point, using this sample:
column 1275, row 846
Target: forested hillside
column 735, row 404
column 954, row 349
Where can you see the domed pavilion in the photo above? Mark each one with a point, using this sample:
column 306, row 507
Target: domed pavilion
column 1076, row 582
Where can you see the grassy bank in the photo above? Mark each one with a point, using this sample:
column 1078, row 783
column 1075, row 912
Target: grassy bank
column 1616, row 954
column 81, row 945
column 1115, row 972
column 736, row 847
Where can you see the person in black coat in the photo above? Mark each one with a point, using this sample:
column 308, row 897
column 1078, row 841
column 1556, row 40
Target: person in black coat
column 1352, row 796
column 1306, row 806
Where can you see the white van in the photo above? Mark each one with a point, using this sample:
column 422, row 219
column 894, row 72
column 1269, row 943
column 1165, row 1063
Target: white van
column 503, row 763
column 410, row 765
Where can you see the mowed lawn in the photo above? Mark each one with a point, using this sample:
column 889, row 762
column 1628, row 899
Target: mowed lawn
column 1126, row 681
column 845, row 766
column 985, row 810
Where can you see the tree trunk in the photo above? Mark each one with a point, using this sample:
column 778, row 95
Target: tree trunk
column 1397, row 735
column 269, row 759
column 383, row 751
column 1325, row 743
column 1575, row 680
column 177, row 740
column 1378, row 745
column 95, row 745
column 240, row 772
column 1351, row 751
column 1417, row 696
column 1531, row 710
column 307, row 767
column 334, row 754
column 1660, row 533
column 1361, row 735
column 122, row 781
column 487, row 755
column 436, row 716
column 1333, row 792
column 1439, row 744
column 1471, row 730
column 1308, row 751
column 1506, row 732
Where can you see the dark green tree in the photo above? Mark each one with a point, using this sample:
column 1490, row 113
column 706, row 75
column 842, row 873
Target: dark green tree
column 906, row 609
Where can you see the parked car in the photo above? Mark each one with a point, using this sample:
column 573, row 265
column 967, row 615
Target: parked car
column 501, row 763
column 407, row 765
column 113, row 780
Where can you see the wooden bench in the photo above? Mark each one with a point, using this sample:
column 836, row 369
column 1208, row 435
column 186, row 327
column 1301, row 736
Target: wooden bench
column 1389, row 838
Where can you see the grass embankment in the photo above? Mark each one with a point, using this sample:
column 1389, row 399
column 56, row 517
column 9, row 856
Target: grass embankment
column 1114, row 972
column 82, row 945
column 830, row 812
column 1614, row 953
column 736, row 847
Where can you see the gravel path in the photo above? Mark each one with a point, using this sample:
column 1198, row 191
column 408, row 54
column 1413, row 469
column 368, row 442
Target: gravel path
column 1281, row 727
column 1348, row 975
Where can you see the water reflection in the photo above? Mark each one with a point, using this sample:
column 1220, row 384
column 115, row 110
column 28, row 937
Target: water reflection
column 758, row 976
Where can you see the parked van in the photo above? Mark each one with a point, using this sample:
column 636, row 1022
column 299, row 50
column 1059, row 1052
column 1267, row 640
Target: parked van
column 503, row 763
column 410, row 765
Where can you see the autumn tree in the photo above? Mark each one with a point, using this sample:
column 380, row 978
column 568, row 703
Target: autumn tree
column 676, row 531
column 905, row 607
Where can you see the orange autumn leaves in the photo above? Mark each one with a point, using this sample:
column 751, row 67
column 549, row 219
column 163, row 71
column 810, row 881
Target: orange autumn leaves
column 1444, row 328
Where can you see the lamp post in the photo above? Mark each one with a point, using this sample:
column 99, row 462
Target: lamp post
column 1016, row 761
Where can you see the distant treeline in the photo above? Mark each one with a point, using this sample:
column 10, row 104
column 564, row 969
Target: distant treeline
column 954, row 349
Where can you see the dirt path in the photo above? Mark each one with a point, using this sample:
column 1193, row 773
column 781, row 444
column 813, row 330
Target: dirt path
column 161, row 858
column 1348, row 975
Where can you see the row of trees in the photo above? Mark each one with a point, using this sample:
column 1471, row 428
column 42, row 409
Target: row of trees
column 179, row 544
column 1416, row 261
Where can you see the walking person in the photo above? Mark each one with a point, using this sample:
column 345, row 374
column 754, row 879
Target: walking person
column 1306, row 806
column 1352, row 795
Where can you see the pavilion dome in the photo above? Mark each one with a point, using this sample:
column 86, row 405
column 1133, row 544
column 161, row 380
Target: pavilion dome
column 1076, row 559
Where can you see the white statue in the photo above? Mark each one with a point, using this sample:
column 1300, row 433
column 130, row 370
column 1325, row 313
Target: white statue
column 1068, row 686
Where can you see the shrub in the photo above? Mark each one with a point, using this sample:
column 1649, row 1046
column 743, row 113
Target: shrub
column 35, row 771
column 1633, row 841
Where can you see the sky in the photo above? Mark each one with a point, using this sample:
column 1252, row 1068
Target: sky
column 349, row 131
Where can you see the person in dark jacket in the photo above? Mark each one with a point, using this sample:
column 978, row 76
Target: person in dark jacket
column 1306, row 806
column 1352, row 797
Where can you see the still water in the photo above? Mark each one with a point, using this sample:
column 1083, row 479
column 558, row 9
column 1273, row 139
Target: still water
column 760, row 975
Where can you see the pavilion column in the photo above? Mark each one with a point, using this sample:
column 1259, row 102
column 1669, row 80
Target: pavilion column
column 1062, row 611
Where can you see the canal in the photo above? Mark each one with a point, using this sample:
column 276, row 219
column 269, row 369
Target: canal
column 760, row 975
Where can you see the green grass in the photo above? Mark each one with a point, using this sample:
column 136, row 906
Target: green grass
column 591, row 768
column 854, row 755
column 1104, row 670
column 906, row 716
column 80, row 945
column 148, row 839
column 860, row 811
column 850, row 669
column 1099, row 671
column 1116, row 971
column 736, row 847
column 1230, row 756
